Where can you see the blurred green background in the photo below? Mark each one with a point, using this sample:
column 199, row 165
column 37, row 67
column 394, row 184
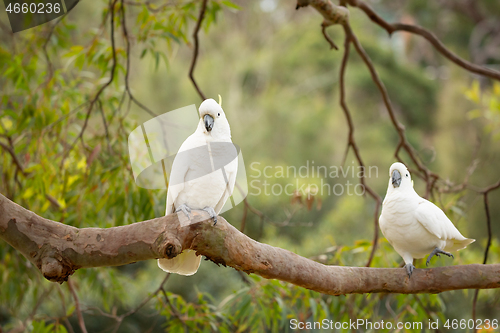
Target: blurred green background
column 279, row 84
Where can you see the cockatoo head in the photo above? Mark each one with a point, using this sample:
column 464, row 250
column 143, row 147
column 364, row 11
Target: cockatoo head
column 213, row 118
column 399, row 176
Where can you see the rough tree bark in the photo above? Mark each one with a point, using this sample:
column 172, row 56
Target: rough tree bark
column 58, row 250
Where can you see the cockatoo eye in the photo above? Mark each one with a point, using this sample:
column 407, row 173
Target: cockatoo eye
column 406, row 175
column 218, row 114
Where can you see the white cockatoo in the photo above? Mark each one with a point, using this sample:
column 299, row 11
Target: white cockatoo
column 202, row 177
column 414, row 226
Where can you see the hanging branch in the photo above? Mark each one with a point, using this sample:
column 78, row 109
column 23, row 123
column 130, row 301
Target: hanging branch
column 488, row 244
column 351, row 143
column 196, row 47
column 127, row 69
column 79, row 314
column 429, row 36
column 101, row 90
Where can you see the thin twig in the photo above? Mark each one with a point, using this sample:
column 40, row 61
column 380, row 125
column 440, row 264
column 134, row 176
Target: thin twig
column 244, row 218
column 488, row 244
column 63, row 304
column 50, row 65
column 78, row 310
column 148, row 5
column 108, row 140
column 14, row 157
column 429, row 315
column 351, row 142
column 174, row 310
column 127, row 70
column 50, row 126
column 328, row 39
column 427, row 175
column 431, row 38
column 144, row 302
column 197, row 46
column 488, row 225
column 99, row 92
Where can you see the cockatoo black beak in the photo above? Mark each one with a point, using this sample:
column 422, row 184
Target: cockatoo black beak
column 396, row 178
column 209, row 122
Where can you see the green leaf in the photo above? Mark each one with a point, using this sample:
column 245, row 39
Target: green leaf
column 229, row 4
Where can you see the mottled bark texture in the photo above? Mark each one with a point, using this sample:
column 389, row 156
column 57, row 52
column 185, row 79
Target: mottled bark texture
column 331, row 13
column 58, row 250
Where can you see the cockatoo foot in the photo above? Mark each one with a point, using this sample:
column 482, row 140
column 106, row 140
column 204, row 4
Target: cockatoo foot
column 212, row 213
column 185, row 209
column 436, row 252
column 409, row 269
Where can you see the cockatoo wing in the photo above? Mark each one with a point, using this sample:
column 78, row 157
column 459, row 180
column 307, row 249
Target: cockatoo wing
column 173, row 192
column 230, row 170
column 180, row 169
column 434, row 220
column 187, row 262
column 176, row 180
column 437, row 223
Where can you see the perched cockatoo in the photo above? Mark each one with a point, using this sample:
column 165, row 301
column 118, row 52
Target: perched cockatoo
column 414, row 226
column 202, row 177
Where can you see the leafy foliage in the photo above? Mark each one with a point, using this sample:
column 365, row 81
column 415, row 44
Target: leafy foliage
column 489, row 107
column 68, row 100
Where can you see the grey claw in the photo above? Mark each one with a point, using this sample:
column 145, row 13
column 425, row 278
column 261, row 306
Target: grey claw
column 409, row 269
column 185, row 209
column 437, row 252
column 212, row 213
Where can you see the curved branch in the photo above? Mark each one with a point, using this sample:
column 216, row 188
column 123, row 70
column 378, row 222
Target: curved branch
column 196, row 47
column 58, row 250
column 351, row 142
column 79, row 315
column 103, row 87
column 333, row 14
column 387, row 102
column 391, row 28
column 15, row 159
column 488, row 244
column 127, row 68
column 328, row 39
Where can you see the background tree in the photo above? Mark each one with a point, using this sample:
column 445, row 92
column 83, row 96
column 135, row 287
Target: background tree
column 73, row 89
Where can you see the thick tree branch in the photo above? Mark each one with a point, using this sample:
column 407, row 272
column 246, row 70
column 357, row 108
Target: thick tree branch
column 58, row 250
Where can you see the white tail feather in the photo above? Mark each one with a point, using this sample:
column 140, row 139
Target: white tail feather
column 458, row 244
column 186, row 263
